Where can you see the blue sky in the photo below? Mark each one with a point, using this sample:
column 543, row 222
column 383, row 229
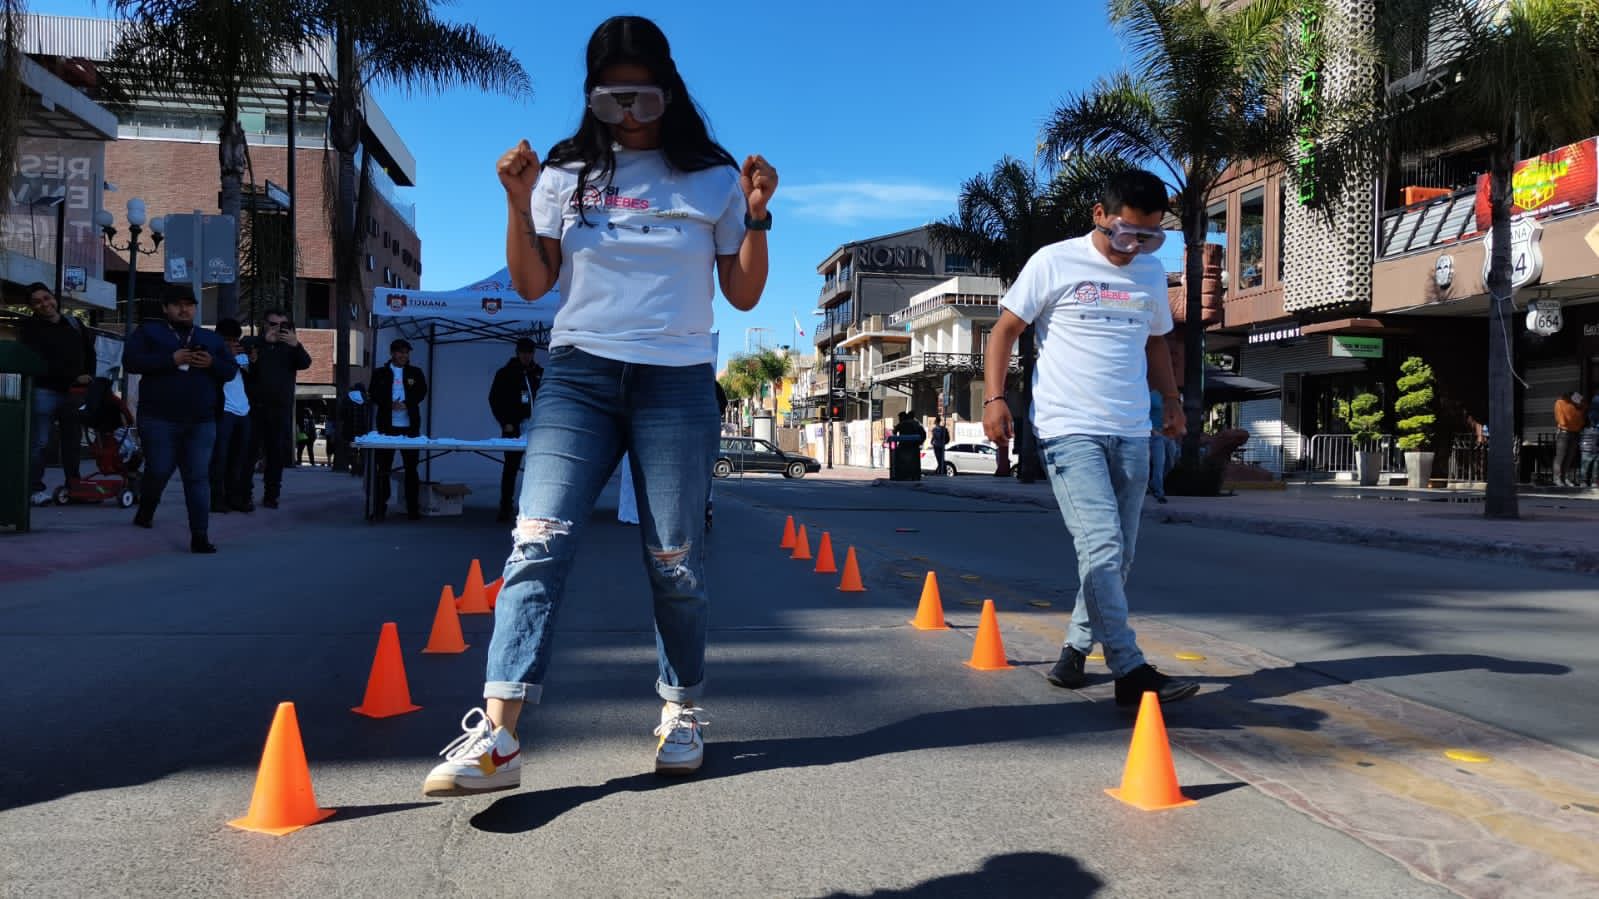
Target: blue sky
column 872, row 112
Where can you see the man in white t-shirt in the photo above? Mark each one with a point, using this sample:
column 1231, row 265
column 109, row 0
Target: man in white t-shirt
column 1099, row 308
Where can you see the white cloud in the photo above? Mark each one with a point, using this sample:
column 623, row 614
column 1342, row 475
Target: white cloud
column 854, row 202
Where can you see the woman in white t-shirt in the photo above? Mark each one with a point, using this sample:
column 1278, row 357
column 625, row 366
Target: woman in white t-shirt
column 630, row 216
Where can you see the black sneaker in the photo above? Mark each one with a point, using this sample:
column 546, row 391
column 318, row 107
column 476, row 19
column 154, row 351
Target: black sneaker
column 141, row 520
column 1131, row 687
column 1068, row 672
column 200, row 545
column 270, row 502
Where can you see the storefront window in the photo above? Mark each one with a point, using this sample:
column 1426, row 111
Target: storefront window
column 1252, row 239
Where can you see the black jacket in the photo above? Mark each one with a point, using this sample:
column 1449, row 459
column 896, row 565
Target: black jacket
column 506, row 395
column 165, row 392
column 381, row 396
column 275, row 368
column 66, row 347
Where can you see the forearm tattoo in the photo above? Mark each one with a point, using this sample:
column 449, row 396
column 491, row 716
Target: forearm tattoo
column 533, row 238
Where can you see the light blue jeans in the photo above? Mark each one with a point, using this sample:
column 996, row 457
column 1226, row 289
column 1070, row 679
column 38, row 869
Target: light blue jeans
column 1099, row 483
column 588, row 412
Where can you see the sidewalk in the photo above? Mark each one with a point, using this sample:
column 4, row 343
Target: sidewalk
column 75, row 537
column 1558, row 532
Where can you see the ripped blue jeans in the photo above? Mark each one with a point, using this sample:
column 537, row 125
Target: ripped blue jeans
column 588, row 412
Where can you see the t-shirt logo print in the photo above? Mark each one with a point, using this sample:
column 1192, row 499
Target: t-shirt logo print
column 1087, row 294
column 609, row 198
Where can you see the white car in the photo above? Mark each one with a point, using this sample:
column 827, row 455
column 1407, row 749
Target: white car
column 968, row 458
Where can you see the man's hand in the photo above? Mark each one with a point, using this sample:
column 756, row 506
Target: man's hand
column 85, row 379
column 997, row 422
column 184, row 356
column 200, row 358
column 399, row 406
column 508, row 430
column 1174, row 419
column 289, row 338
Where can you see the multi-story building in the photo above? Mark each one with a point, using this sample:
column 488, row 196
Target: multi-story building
column 865, row 283
column 166, row 154
column 1328, row 299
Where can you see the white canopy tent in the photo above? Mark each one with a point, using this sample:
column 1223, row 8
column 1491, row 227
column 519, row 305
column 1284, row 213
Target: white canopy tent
column 459, row 338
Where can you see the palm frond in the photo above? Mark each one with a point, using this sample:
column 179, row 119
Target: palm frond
column 432, row 55
column 1117, row 116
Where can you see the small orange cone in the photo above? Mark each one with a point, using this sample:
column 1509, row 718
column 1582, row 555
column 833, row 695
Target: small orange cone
column 387, row 693
column 988, row 653
column 852, row 574
column 1149, row 781
column 930, row 613
column 802, row 546
column 492, row 591
column 824, row 555
column 284, row 801
column 446, row 638
column 788, row 534
column 473, row 600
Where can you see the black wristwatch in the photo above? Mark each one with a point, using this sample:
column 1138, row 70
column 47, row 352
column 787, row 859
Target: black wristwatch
column 764, row 224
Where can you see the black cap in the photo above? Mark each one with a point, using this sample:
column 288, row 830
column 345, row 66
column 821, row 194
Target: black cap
column 526, row 345
column 399, row 344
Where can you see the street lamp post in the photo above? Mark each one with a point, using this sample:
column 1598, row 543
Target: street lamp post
column 137, row 219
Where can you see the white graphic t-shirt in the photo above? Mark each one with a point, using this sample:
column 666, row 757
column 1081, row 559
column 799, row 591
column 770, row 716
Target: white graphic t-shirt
column 638, row 279
column 398, row 418
column 1091, row 319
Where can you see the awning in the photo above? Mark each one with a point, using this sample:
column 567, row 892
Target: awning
column 1224, row 387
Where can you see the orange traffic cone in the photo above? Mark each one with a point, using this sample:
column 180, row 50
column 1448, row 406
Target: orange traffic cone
column 852, row 574
column 824, row 555
column 284, row 801
column 446, row 638
column 988, row 653
column 788, row 534
column 473, row 600
column 387, row 693
column 930, row 614
column 802, row 546
column 492, row 591
column 1149, row 781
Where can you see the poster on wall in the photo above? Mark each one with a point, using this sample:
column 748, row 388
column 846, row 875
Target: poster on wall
column 46, row 168
column 1557, row 181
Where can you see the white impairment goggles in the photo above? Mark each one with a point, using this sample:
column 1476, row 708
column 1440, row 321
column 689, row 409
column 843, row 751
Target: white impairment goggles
column 612, row 104
column 1125, row 238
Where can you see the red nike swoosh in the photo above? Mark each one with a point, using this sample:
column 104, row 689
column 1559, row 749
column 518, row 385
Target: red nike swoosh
column 498, row 760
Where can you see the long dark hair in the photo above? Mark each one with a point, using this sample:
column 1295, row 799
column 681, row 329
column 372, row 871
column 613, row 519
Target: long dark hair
column 685, row 139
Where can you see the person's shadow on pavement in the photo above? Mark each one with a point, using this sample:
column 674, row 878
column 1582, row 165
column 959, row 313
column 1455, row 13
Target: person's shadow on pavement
column 1015, row 874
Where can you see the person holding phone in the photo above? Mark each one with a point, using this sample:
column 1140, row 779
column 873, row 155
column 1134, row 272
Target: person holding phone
column 631, row 216
column 279, row 360
column 183, row 367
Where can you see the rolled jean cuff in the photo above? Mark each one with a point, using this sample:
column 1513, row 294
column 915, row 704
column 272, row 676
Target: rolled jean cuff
column 513, row 691
column 679, row 694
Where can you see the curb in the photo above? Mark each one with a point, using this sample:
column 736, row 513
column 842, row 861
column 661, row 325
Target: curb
column 1378, row 538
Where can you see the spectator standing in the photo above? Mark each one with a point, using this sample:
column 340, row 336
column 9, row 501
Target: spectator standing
column 1570, row 418
column 1588, row 443
column 230, row 458
column 398, row 390
column 67, row 349
column 280, row 358
column 1157, row 446
column 182, row 366
column 940, row 440
column 305, row 438
column 511, row 400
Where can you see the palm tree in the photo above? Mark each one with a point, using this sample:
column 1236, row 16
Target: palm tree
column 398, row 43
column 1002, row 219
column 1202, row 94
column 1519, row 76
column 744, row 381
column 12, row 19
column 220, row 50
column 773, row 368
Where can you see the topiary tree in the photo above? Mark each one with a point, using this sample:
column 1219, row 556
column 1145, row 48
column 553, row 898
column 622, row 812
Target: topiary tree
column 1415, row 406
column 1363, row 415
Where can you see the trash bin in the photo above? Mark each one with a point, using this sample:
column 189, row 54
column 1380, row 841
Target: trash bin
column 18, row 366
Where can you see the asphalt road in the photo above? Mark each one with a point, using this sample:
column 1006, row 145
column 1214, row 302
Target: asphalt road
column 848, row 754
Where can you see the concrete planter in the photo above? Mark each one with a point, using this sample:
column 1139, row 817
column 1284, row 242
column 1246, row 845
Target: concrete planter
column 1418, row 469
column 1368, row 465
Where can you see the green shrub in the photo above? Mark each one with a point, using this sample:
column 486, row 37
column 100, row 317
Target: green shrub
column 1417, row 394
column 1363, row 415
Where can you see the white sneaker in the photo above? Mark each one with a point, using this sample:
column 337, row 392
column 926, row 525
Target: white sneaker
column 43, row 498
column 681, row 749
column 483, row 759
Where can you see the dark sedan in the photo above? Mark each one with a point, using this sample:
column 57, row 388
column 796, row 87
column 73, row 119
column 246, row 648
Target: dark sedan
column 749, row 455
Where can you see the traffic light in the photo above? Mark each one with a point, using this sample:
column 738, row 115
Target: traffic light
column 838, row 376
column 836, row 411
